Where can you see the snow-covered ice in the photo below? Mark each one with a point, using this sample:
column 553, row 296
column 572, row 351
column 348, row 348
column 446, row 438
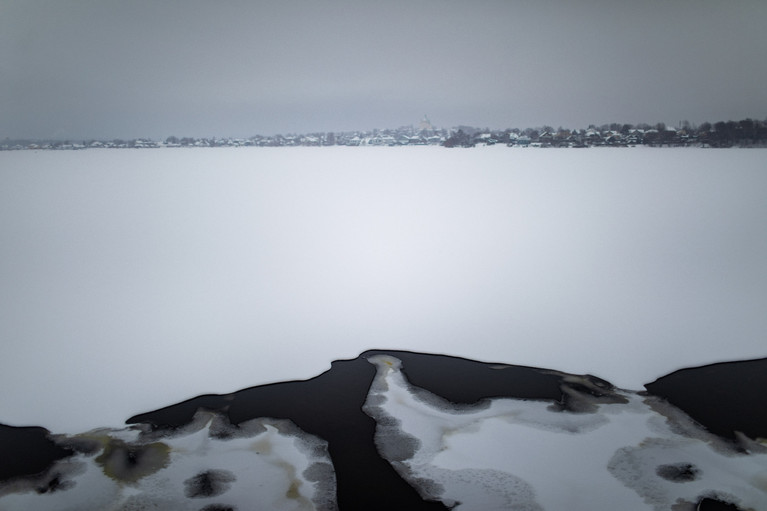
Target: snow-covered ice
column 469, row 436
column 156, row 275
column 504, row 454
column 264, row 463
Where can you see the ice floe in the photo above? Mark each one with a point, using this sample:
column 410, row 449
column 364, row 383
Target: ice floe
column 265, row 463
column 403, row 430
column 506, row 453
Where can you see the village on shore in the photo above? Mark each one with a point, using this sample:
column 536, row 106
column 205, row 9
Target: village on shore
column 744, row 133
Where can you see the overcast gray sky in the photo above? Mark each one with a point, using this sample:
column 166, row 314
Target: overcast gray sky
column 107, row 69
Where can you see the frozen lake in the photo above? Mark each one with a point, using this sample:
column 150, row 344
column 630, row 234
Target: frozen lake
column 133, row 279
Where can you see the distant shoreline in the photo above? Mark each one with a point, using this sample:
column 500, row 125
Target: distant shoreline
column 744, row 133
column 80, row 147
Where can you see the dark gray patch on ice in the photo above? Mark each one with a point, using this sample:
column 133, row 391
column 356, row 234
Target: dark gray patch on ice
column 221, row 429
column 55, row 484
column 427, row 488
column 585, row 393
column 682, row 424
column 59, row 477
column 79, row 444
column 218, row 507
column 392, row 443
column 197, row 422
column 210, row 483
column 324, row 476
column 428, row 398
column 129, row 462
column 318, row 472
column 376, row 400
column 486, row 490
column 144, row 502
column 747, row 445
column 706, row 503
column 683, row 505
column 675, row 419
column 678, row 472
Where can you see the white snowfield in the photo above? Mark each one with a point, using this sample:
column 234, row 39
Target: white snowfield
column 156, row 275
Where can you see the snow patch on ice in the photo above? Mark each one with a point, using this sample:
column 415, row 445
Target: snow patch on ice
column 265, row 462
column 513, row 453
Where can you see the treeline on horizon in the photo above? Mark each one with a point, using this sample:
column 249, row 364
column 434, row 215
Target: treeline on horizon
column 744, row 133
